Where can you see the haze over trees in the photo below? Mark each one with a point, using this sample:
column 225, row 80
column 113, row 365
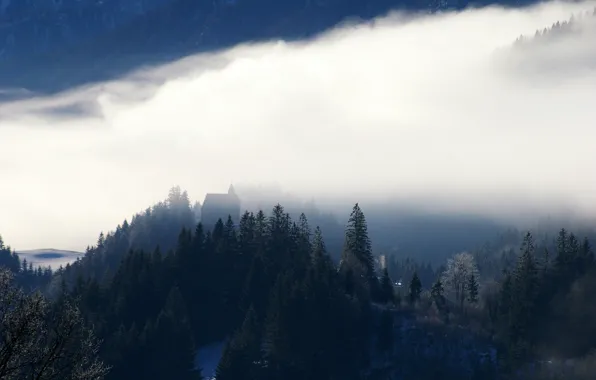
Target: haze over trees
column 291, row 292
column 44, row 340
column 285, row 308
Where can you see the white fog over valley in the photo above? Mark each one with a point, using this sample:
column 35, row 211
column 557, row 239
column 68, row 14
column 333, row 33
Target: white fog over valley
column 437, row 110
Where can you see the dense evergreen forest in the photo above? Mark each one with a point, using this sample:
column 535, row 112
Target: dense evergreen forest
column 134, row 307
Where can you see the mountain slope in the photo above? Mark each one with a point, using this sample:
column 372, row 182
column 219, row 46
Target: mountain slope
column 28, row 26
column 81, row 42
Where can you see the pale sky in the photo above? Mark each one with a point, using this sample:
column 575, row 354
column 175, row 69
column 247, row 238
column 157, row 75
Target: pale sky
column 434, row 108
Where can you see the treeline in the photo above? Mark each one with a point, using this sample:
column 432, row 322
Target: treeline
column 269, row 289
column 156, row 226
column 24, row 273
column 538, row 312
column 267, row 286
column 558, row 28
column 544, row 306
column 160, row 225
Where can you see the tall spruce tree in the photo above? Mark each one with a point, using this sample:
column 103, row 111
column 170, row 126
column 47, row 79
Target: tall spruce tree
column 415, row 289
column 241, row 358
column 387, row 292
column 472, row 288
column 170, row 340
column 520, row 293
column 385, row 335
column 357, row 255
column 437, row 293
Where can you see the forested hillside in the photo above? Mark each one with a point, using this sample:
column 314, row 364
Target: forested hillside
column 269, row 289
column 87, row 41
column 581, row 23
column 399, row 234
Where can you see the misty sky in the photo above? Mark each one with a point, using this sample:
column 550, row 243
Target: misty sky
column 434, row 109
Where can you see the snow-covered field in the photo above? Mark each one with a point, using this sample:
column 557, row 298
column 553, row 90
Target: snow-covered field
column 53, row 258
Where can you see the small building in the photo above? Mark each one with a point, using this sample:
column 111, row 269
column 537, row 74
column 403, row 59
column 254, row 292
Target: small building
column 220, row 206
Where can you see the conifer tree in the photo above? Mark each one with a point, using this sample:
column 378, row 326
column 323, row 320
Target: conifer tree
column 519, row 295
column 170, row 339
column 415, row 289
column 385, row 335
column 256, row 289
column 472, row 289
column 242, row 355
column 304, row 228
column 319, row 250
column 278, row 343
column 437, row 293
column 246, row 235
column 357, row 254
column 322, row 264
column 586, row 254
column 562, row 260
column 387, row 287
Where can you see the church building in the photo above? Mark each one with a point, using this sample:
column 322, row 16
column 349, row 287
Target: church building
column 220, row 206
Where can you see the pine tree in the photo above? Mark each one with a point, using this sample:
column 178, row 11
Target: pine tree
column 387, row 288
column 278, row 345
column 519, row 304
column 304, row 231
column 385, row 335
column 319, row 249
column 322, row 263
column 256, row 289
column 586, row 254
column 242, row 355
column 415, row 289
column 563, row 259
column 437, row 293
column 357, row 254
column 472, row 288
column 170, row 339
column 349, row 282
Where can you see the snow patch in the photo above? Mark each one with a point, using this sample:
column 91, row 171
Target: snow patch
column 208, row 357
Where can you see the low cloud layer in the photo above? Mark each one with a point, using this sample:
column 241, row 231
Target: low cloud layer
column 436, row 110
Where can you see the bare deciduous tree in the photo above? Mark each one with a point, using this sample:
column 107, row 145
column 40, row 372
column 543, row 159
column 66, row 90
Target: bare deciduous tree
column 456, row 275
column 40, row 340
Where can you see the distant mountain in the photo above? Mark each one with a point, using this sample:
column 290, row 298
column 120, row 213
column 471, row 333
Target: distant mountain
column 49, row 257
column 53, row 45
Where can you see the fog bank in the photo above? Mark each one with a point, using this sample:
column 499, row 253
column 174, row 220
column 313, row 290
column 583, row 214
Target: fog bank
column 435, row 111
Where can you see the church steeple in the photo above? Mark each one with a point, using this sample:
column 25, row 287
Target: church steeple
column 231, row 190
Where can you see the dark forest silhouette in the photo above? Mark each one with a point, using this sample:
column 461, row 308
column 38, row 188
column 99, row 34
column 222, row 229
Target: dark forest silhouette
column 270, row 289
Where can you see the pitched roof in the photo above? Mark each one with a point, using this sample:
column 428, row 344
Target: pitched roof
column 220, row 200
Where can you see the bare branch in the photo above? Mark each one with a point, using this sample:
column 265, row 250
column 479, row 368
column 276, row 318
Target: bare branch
column 43, row 341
